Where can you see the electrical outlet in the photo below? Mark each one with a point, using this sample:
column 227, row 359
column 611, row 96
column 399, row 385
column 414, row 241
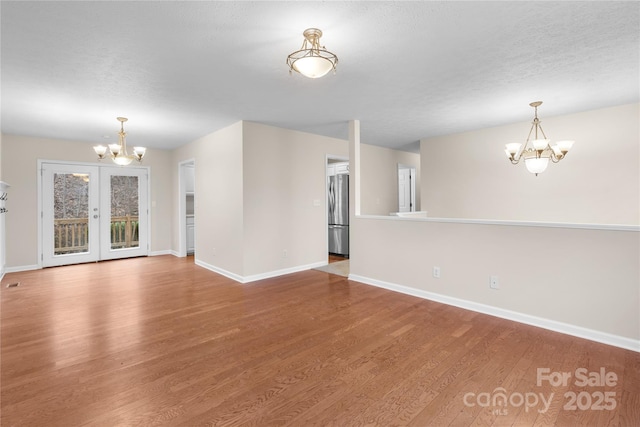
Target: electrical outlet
column 436, row 272
column 493, row 282
column 284, row 253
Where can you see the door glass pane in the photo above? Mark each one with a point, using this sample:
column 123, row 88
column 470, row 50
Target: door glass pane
column 71, row 213
column 124, row 212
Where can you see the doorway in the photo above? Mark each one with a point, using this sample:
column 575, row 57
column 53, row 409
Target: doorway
column 186, row 208
column 406, row 188
column 337, row 170
column 93, row 213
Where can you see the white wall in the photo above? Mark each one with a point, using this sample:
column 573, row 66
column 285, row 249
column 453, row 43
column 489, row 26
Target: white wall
column 468, row 175
column 579, row 281
column 582, row 278
column 219, row 184
column 284, row 174
column 379, row 178
column 2, row 223
column 20, row 156
column 2, row 220
column 1, row 177
column 255, row 191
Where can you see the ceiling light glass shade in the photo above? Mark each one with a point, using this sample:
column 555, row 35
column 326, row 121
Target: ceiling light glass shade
column 312, row 66
column 100, row 150
column 540, row 144
column 118, row 152
column 121, row 160
column 312, row 60
column 115, row 149
column 537, row 152
column 513, row 148
column 139, row 152
column 564, row 146
column 536, row 164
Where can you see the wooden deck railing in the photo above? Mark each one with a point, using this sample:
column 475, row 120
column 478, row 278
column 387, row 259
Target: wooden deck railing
column 72, row 234
column 124, row 231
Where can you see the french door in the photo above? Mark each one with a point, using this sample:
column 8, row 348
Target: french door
column 93, row 213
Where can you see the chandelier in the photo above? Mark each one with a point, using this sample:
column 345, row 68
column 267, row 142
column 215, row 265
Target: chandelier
column 312, row 60
column 537, row 152
column 118, row 152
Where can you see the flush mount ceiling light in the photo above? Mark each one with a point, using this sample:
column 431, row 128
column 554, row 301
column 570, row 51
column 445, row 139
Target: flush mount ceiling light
column 537, row 154
column 312, row 60
column 118, row 152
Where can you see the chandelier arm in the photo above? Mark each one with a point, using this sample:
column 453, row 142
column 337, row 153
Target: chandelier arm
column 529, row 136
column 542, row 130
column 526, row 143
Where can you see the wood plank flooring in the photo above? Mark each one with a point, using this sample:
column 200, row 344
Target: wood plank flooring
column 336, row 258
column 161, row 341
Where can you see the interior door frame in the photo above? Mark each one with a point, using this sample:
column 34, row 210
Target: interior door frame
column 412, row 185
column 331, row 158
column 182, row 208
column 39, row 173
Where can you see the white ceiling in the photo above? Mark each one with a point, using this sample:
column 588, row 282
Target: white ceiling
column 407, row 70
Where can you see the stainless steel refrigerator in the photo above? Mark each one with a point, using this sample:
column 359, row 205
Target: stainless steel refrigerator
column 338, row 202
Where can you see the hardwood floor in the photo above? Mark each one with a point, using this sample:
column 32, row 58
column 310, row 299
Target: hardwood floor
column 161, row 341
column 336, row 258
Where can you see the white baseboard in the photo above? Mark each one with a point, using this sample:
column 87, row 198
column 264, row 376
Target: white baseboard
column 38, row 267
column 284, row 271
column 552, row 325
column 165, row 252
column 261, row 276
column 219, row 270
column 22, row 268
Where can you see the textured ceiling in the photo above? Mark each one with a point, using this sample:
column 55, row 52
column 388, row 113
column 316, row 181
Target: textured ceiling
column 407, row 70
